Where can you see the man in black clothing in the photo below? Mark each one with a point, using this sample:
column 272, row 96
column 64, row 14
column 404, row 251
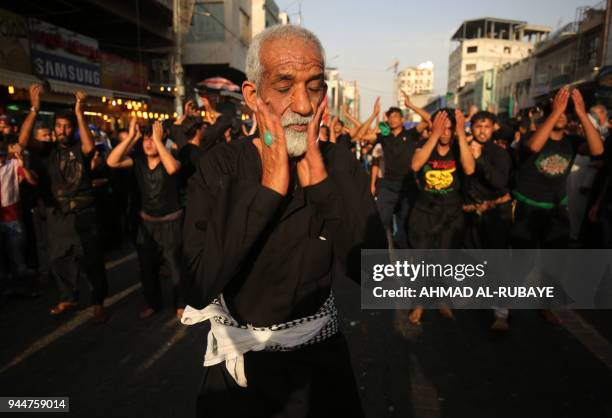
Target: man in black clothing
column 487, row 193
column 396, row 191
column 160, row 235
column 271, row 221
column 71, row 217
column 487, row 190
column 342, row 138
column 213, row 135
column 541, row 218
column 441, row 161
column 190, row 153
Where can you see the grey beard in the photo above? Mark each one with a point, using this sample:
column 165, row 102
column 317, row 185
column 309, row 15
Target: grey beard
column 297, row 142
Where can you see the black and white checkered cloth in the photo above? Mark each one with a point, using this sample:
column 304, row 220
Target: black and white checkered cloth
column 329, row 330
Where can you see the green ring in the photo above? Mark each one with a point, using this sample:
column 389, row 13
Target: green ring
column 268, row 138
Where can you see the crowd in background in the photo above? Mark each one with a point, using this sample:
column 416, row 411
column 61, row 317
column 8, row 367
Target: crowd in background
column 71, row 191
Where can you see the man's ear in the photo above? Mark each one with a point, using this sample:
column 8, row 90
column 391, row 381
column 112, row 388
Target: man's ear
column 249, row 92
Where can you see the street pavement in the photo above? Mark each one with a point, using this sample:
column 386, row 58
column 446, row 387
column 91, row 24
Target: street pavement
column 151, row 368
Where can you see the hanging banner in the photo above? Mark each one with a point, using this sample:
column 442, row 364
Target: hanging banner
column 121, row 74
column 63, row 55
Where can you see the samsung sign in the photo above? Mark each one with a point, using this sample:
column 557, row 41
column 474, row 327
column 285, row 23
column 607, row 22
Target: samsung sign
column 59, row 54
column 63, row 69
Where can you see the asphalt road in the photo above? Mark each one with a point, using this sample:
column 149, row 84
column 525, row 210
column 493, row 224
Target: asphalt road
column 446, row 368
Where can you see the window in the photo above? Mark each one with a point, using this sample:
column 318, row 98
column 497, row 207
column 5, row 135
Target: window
column 507, row 50
column 203, row 26
column 470, row 67
column 472, row 49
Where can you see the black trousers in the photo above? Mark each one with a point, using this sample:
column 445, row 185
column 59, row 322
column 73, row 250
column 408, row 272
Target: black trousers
column 159, row 242
column 74, row 246
column 395, row 196
column 434, row 226
column 540, row 228
column 491, row 229
column 313, row 382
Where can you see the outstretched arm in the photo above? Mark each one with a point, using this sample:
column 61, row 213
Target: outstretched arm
column 467, row 160
column 541, row 135
column 354, row 121
column 28, row 124
column 594, row 141
column 421, row 112
column 362, row 133
column 421, row 155
column 118, row 157
column 87, row 143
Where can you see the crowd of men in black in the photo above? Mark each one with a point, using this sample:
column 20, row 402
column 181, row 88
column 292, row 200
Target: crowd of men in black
column 539, row 180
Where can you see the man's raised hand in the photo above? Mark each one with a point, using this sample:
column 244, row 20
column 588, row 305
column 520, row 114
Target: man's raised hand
column 460, row 122
column 376, row 110
column 559, row 104
column 439, row 124
column 132, row 127
column 80, row 100
column 579, row 105
column 158, row 131
column 35, row 90
column 407, row 101
column 274, row 157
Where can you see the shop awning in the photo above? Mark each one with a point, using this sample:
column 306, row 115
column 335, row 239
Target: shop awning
column 71, row 88
column 16, row 79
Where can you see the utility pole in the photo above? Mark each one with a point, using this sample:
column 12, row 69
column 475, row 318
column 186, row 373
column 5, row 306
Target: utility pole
column 182, row 10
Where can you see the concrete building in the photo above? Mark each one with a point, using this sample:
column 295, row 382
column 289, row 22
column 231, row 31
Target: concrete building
column 351, row 97
column 341, row 93
column 220, row 34
column 436, row 103
column 572, row 54
column 488, row 43
column 513, row 86
column 416, row 82
column 481, row 92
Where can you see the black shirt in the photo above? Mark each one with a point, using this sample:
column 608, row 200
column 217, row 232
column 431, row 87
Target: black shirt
column 70, row 176
column 398, row 151
column 39, row 162
column 542, row 176
column 273, row 256
column 189, row 155
column 492, row 175
column 345, row 141
column 439, row 179
column 159, row 191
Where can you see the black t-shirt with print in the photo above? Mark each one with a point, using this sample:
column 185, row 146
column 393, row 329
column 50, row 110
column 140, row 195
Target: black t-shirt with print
column 542, row 177
column 439, row 180
column 70, row 176
column 398, row 151
column 159, row 191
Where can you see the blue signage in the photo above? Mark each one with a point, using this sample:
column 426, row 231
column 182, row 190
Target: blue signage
column 64, row 69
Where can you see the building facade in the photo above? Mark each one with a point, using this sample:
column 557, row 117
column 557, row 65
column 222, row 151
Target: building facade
column 220, row 35
column 489, row 43
column 417, row 82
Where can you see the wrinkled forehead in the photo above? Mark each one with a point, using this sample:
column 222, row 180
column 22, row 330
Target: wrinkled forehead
column 293, row 55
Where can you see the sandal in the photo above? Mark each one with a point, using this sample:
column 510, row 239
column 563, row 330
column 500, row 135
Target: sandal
column 62, row 307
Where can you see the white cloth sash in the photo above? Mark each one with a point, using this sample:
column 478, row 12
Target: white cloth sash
column 229, row 342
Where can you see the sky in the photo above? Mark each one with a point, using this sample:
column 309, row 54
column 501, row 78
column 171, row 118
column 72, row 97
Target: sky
column 363, row 38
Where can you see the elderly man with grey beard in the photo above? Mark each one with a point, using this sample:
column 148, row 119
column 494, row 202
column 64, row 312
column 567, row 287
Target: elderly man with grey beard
column 271, row 221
